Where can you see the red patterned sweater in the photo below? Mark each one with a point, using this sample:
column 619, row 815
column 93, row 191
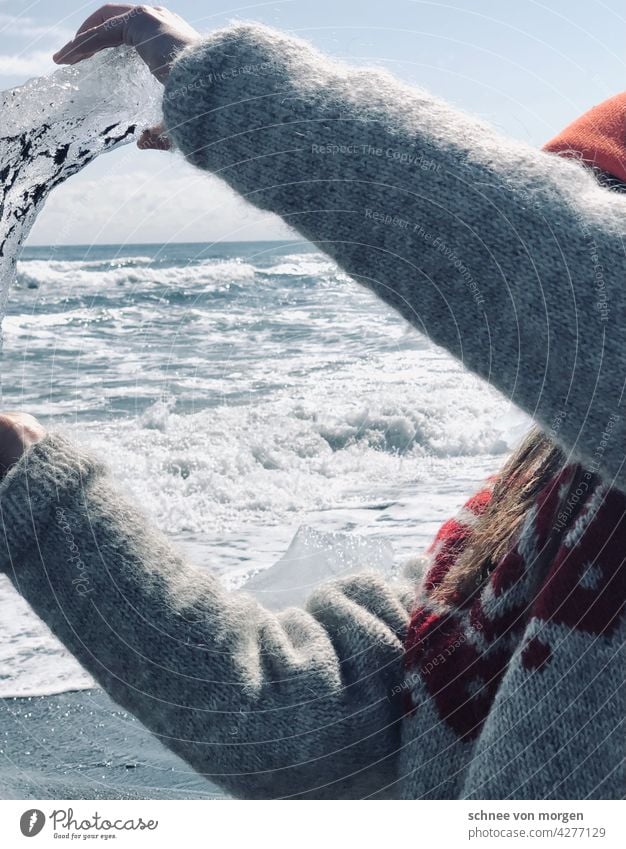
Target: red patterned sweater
column 529, row 673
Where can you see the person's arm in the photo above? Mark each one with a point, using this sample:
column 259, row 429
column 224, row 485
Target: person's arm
column 511, row 258
column 289, row 705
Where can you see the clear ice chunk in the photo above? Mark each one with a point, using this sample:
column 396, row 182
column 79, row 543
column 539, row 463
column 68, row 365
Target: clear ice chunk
column 313, row 557
column 51, row 127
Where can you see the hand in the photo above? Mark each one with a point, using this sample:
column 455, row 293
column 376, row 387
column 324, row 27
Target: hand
column 154, row 138
column 18, row 431
column 156, row 34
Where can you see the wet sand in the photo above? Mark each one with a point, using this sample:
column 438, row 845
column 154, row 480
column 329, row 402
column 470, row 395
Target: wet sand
column 80, row 745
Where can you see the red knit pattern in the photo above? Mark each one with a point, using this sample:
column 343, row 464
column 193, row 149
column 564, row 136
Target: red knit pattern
column 567, row 567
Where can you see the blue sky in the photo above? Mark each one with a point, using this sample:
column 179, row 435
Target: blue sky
column 528, row 67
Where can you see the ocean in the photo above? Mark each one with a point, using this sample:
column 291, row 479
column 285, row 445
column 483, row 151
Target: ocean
column 274, row 418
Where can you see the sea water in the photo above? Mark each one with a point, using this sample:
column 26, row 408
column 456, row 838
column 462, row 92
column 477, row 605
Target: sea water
column 260, row 407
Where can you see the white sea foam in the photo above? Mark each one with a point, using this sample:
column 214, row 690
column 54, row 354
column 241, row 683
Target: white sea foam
column 297, row 265
column 284, row 457
column 279, row 424
column 72, row 277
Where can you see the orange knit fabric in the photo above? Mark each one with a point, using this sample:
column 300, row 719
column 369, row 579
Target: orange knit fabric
column 598, row 137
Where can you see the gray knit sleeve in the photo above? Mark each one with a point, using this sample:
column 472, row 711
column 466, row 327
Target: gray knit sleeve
column 510, row 258
column 291, row 705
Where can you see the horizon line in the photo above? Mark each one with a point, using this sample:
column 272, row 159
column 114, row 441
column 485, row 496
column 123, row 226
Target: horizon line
column 193, row 242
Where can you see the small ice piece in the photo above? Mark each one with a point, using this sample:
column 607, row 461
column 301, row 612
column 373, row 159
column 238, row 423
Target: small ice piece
column 312, row 558
column 51, row 127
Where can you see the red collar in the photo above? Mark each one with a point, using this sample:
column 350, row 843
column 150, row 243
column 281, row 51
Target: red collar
column 598, row 137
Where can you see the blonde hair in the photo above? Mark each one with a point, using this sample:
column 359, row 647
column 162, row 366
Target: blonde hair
column 531, row 467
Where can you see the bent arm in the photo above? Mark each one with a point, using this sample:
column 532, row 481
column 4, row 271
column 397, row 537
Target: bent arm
column 265, row 705
column 510, row 258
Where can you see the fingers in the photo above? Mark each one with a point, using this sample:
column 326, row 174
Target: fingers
column 111, row 10
column 18, row 431
column 154, row 138
column 19, row 428
column 156, row 34
column 111, row 33
column 18, row 420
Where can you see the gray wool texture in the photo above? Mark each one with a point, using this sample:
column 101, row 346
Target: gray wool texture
column 511, row 259
column 266, row 705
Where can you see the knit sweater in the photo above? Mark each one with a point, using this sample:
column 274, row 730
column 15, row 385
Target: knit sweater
column 520, row 692
column 513, row 260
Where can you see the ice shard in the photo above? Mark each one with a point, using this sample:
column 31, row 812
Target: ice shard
column 53, row 126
